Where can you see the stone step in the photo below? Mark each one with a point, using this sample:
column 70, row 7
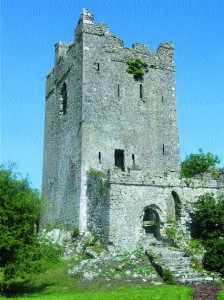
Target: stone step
column 179, row 266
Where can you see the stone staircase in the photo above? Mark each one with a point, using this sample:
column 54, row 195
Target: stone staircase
column 163, row 257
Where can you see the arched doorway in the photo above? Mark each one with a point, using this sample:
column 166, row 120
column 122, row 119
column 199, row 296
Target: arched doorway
column 177, row 206
column 151, row 221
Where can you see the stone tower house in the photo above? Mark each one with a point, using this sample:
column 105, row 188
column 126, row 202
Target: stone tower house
column 100, row 118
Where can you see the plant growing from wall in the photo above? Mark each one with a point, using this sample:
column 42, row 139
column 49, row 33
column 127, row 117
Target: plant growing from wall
column 137, row 67
column 97, row 173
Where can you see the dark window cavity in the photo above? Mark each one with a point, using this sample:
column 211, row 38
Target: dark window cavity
column 97, row 66
column 162, row 99
column 63, row 99
column 119, row 159
column 163, row 149
column 133, row 159
column 100, row 157
column 141, row 91
column 118, row 90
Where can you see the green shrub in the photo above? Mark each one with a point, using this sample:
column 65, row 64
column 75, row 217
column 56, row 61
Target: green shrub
column 136, row 67
column 198, row 163
column 75, row 232
column 168, row 276
column 208, row 225
column 19, row 213
column 214, row 257
column 97, row 173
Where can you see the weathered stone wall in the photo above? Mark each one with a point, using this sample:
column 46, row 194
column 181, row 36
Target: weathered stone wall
column 104, row 112
column 98, row 208
column 62, row 144
column 131, row 193
column 94, row 107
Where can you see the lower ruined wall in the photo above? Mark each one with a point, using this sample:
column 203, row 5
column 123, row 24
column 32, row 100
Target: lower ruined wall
column 98, row 204
column 119, row 202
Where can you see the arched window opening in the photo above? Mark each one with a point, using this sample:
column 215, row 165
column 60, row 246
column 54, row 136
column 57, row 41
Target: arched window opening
column 177, row 205
column 151, row 222
column 63, row 99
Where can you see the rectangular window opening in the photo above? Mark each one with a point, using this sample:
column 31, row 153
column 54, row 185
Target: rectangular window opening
column 163, row 149
column 118, row 90
column 141, row 91
column 97, row 66
column 162, row 99
column 100, row 157
column 119, row 159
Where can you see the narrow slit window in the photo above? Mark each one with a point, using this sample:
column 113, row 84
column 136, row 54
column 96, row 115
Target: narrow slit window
column 162, row 99
column 96, row 66
column 141, row 91
column 119, row 159
column 63, row 99
column 133, row 159
column 100, row 157
column 118, row 90
column 163, row 149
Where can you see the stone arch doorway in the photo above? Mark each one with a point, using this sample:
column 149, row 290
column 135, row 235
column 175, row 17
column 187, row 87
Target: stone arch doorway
column 173, row 205
column 177, row 206
column 151, row 221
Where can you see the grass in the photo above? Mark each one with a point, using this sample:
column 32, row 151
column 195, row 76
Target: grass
column 56, row 284
column 221, row 295
column 124, row 293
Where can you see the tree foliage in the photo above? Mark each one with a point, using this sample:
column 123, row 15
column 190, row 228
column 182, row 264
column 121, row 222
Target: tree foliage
column 208, row 225
column 198, row 163
column 19, row 215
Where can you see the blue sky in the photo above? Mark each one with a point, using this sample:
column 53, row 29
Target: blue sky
column 30, row 28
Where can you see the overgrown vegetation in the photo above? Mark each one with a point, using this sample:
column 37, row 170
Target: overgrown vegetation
column 22, row 251
column 97, row 173
column 208, row 226
column 19, row 213
column 199, row 163
column 168, row 277
column 137, row 67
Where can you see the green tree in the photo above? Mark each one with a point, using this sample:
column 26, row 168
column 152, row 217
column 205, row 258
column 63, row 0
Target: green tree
column 208, row 217
column 19, row 215
column 198, row 163
column 208, row 226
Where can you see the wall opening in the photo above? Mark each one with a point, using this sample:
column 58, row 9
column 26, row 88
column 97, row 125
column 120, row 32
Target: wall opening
column 151, row 222
column 162, row 99
column 63, row 99
column 141, row 91
column 133, row 160
column 119, row 159
column 97, row 66
column 163, row 149
column 100, row 157
column 177, row 206
column 118, row 90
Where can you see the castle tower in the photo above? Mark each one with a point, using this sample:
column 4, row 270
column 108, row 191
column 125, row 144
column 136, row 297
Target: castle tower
column 99, row 116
